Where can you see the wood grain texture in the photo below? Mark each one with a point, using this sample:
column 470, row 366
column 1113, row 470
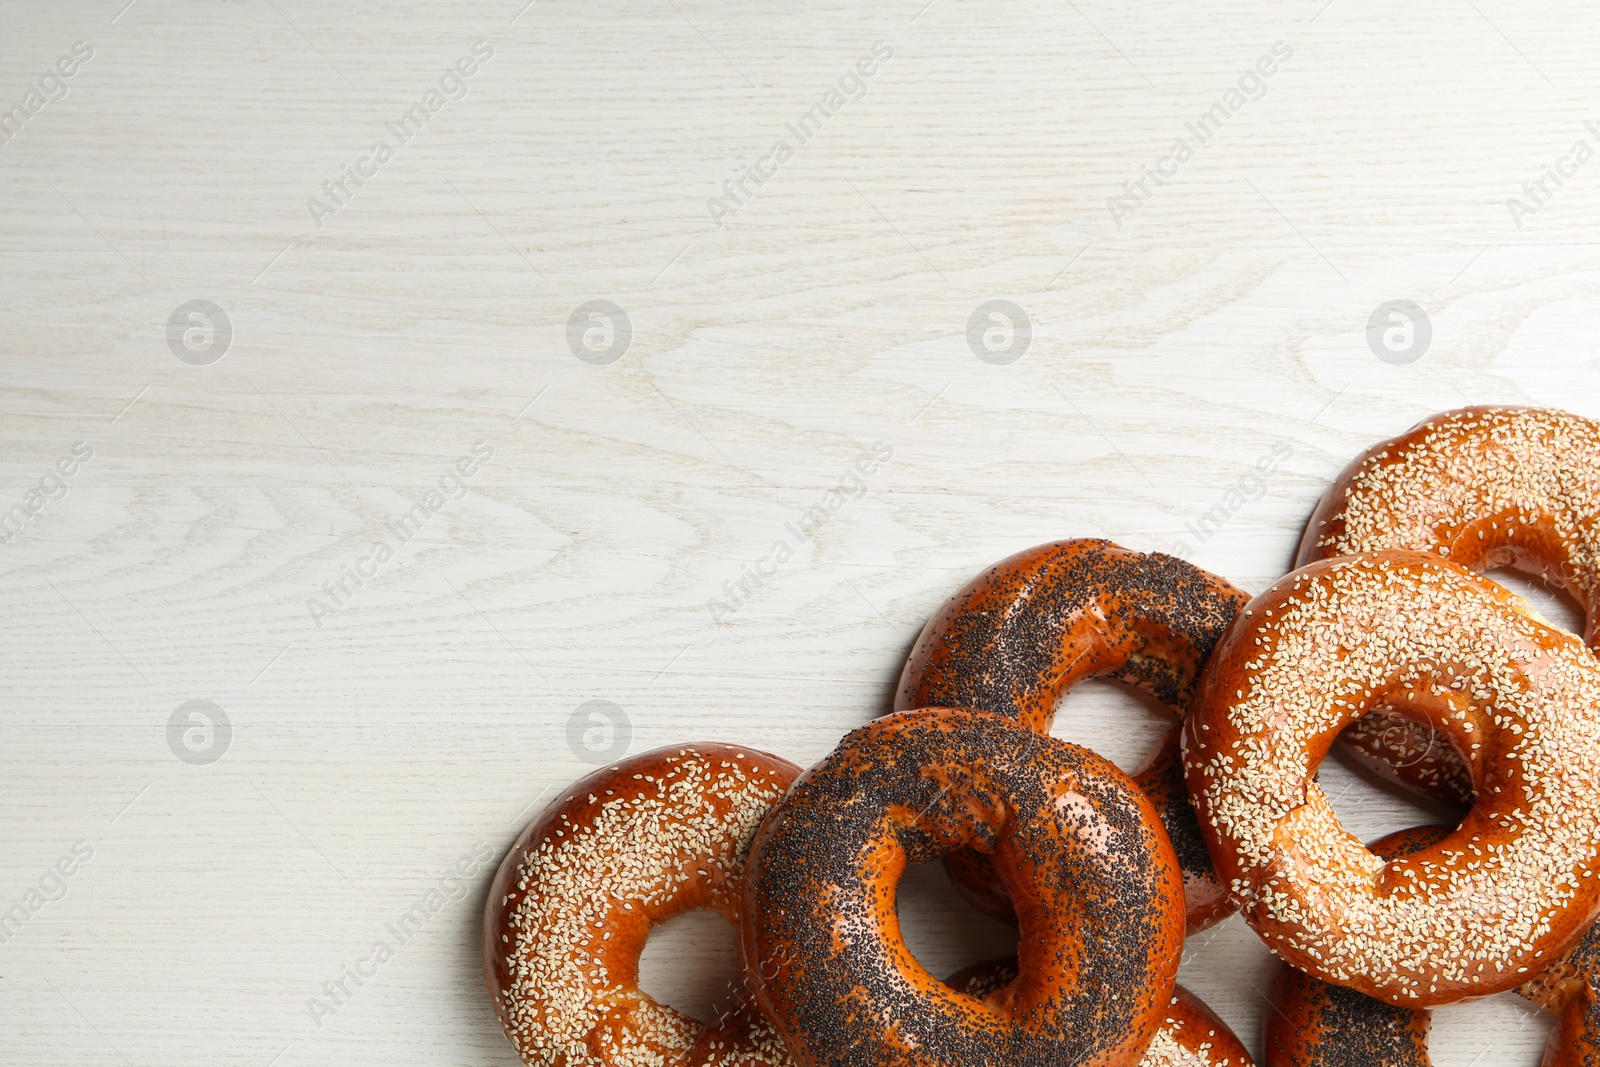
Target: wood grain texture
column 1227, row 315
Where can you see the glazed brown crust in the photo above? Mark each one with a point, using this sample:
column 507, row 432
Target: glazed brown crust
column 1195, row 1036
column 1315, row 1024
column 1191, row 1035
column 1206, row 900
column 1161, row 779
column 1480, row 911
column 1322, row 1025
column 1018, row 636
column 1483, row 487
column 1094, row 880
column 1014, row 639
column 572, row 904
column 1576, row 1040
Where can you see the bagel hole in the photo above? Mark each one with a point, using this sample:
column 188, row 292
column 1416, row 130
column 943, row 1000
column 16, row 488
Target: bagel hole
column 1370, row 806
column 691, row 963
column 1121, row 722
column 1502, row 1030
column 1554, row 604
column 942, row 930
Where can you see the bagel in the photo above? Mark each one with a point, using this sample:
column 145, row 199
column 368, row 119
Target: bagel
column 1319, row 1025
column 1094, row 881
column 1412, row 634
column 1314, row 1024
column 571, row 906
column 1484, row 487
column 1191, row 1035
column 1016, row 638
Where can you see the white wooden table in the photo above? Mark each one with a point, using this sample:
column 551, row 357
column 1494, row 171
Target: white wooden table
column 355, row 743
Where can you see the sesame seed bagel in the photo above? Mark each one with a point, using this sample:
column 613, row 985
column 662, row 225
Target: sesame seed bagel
column 1412, row 634
column 1320, row 1025
column 1484, row 487
column 1191, row 1035
column 1093, row 878
column 1315, row 1024
column 626, row 849
column 1016, row 638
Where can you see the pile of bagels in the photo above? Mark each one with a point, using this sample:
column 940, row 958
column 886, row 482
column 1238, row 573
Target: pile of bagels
column 1387, row 641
